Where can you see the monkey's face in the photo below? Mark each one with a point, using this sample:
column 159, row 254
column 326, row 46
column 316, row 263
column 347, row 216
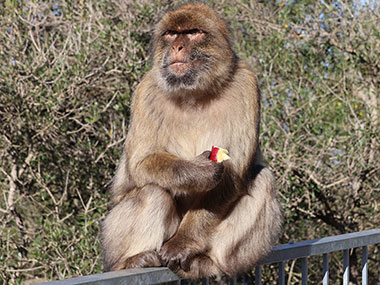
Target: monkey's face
column 191, row 49
column 184, row 61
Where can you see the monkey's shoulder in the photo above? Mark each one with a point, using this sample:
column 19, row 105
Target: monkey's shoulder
column 244, row 71
column 146, row 91
column 243, row 87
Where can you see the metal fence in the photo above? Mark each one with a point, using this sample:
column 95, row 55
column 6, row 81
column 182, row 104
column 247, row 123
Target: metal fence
column 280, row 254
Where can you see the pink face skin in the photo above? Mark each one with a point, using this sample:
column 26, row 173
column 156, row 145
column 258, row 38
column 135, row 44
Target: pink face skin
column 181, row 42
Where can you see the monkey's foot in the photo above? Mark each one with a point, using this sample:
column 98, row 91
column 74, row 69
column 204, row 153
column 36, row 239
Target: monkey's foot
column 178, row 252
column 201, row 266
column 144, row 259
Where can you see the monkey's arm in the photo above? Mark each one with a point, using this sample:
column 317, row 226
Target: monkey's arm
column 178, row 175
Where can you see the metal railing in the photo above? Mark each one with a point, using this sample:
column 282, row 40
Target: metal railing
column 280, row 254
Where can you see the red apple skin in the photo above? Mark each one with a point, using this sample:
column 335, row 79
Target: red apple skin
column 214, row 152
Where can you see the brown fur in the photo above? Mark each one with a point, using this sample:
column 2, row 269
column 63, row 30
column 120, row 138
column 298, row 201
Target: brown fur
column 172, row 205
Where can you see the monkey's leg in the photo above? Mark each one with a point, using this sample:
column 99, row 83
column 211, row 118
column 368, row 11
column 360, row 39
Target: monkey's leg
column 136, row 227
column 246, row 235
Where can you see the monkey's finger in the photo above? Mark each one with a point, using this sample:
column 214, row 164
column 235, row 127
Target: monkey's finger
column 173, row 265
column 166, row 255
column 163, row 261
column 185, row 263
column 206, row 154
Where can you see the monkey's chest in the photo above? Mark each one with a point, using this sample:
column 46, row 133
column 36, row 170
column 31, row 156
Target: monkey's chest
column 189, row 137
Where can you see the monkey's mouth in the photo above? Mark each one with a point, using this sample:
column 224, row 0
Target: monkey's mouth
column 181, row 72
column 180, row 68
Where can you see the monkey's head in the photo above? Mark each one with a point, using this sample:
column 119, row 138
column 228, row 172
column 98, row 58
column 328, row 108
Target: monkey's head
column 191, row 49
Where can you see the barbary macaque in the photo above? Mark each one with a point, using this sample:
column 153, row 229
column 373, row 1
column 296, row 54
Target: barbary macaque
column 172, row 205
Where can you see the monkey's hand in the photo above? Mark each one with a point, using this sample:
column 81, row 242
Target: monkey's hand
column 209, row 173
column 199, row 174
column 179, row 251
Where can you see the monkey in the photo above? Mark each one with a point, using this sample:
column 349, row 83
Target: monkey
column 171, row 205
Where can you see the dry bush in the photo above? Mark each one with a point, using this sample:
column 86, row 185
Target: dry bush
column 68, row 69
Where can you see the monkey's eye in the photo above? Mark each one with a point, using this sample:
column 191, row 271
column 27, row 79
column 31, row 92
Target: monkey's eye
column 170, row 33
column 193, row 32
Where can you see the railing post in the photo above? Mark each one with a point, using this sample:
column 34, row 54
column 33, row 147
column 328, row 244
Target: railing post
column 304, row 270
column 365, row 265
column 258, row 275
column 325, row 269
column 346, row 266
column 281, row 273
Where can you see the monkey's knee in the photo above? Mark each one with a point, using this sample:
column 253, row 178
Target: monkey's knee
column 141, row 222
column 160, row 206
column 263, row 182
column 263, row 189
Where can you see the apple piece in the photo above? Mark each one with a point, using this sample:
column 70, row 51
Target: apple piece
column 219, row 154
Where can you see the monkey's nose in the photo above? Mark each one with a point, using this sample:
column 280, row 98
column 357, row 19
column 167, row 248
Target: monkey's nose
column 177, row 48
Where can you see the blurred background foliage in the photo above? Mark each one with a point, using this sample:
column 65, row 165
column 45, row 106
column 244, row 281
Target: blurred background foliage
column 68, row 69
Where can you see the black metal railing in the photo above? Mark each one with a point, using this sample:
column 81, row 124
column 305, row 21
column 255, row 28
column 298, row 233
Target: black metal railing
column 280, row 254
